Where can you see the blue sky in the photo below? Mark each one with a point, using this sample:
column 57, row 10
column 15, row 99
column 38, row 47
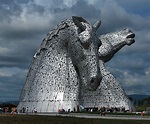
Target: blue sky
column 24, row 23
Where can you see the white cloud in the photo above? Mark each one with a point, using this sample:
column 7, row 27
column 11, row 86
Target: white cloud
column 56, row 3
column 28, row 21
column 43, row 2
column 7, row 7
column 69, row 3
column 147, row 71
column 134, row 83
column 4, row 50
column 96, row 3
column 8, row 72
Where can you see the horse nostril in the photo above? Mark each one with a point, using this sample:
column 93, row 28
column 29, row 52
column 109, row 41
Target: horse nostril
column 94, row 83
column 132, row 35
column 92, row 80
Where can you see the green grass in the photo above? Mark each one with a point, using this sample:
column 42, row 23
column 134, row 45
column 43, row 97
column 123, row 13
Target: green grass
column 116, row 113
column 39, row 119
column 141, row 108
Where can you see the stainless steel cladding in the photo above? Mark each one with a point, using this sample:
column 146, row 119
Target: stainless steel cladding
column 68, row 69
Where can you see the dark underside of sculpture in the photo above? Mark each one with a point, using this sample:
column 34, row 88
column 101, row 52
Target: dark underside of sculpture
column 68, row 71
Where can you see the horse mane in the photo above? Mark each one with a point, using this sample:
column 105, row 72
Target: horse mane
column 73, row 21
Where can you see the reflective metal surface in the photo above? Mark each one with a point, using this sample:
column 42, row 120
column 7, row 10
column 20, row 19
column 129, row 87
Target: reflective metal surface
column 68, row 69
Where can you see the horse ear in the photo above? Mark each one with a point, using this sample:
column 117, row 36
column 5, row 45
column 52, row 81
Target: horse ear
column 77, row 21
column 97, row 24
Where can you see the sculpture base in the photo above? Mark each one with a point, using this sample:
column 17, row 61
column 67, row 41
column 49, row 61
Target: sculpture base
column 48, row 106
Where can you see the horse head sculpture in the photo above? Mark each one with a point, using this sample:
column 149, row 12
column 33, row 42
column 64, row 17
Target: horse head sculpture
column 78, row 40
column 113, row 42
column 72, row 46
column 84, row 53
column 110, row 92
